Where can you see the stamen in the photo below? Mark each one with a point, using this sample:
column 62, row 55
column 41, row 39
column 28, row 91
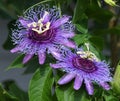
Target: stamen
column 39, row 27
column 87, row 54
column 33, row 24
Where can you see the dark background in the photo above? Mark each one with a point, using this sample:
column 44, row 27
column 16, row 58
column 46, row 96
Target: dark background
column 6, row 58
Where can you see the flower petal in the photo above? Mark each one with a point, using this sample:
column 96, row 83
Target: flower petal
column 24, row 22
column 78, row 82
column 58, row 65
column 105, row 85
column 60, row 21
column 27, row 58
column 42, row 57
column 66, row 78
column 55, row 52
column 68, row 35
column 68, row 43
column 89, row 87
column 16, row 49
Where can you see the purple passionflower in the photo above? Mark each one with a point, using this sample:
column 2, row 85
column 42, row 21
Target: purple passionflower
column 40, row 30
column 85, row 67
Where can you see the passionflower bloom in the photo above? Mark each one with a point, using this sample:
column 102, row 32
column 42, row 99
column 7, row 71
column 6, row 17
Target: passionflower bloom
column 85, row 67
column 40, row 30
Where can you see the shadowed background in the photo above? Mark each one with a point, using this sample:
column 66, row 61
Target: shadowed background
column 7, row 58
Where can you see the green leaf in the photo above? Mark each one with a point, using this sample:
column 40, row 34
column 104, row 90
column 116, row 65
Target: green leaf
column 67, row 93
column 82, row 28
column 5, row 96
column 41, row 85
column 33, row 64
column 111, row 2
column 94, row 12
column 97, row 41
column 79, row 10
column 17, row 63
column 98, row 91
column 104, row 31
column 18, row 93
column 81, row 38
column 79, row 18
column 116, row 79
column 69, row 1
column 110, row 96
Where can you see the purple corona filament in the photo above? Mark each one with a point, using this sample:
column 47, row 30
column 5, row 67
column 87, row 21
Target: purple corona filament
column 41, row 30
column 85, row 67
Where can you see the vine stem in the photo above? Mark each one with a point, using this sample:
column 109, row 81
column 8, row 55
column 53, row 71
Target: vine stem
column 113, row 38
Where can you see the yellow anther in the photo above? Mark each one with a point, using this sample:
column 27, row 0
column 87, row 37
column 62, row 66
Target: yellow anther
column 87, row 54
column 39, row 27
column 34, row 29
column 42, row 28
column 40, row 21
column 47, row 25
column 33, row 24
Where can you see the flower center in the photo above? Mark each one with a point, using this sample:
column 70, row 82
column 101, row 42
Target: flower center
column 40, row 31
column 46, row 37
column 39, row 26
column 88, row 55
column 84, row 64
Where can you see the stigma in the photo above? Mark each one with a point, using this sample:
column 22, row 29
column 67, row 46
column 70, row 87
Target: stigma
column 39, row 26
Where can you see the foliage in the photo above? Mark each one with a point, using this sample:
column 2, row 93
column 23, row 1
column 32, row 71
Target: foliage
column 96, row 22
